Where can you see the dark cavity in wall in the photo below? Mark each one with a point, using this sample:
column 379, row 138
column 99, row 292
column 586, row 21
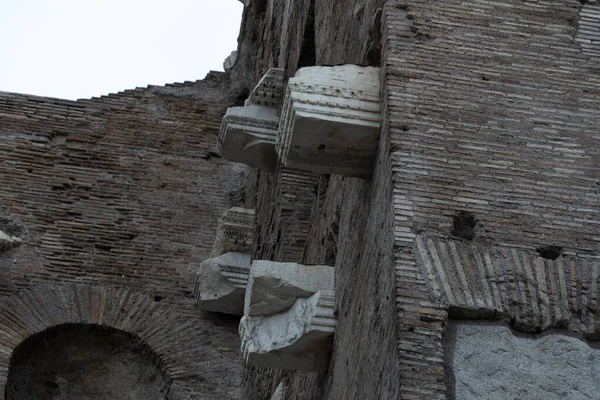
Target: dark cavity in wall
column 464, row 225
column 549, row 252
column 84, row 362
column 308, row 53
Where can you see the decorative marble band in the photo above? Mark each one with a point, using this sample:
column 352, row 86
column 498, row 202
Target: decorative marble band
column 235, row 232
column 248, row 134
column 269, row 90
column 532, row 292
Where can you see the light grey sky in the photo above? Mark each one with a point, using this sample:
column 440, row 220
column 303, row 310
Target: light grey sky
column 82, row 48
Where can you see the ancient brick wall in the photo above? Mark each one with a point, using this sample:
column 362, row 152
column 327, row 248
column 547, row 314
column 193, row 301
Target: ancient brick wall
column 496, row 144
column 116, row 200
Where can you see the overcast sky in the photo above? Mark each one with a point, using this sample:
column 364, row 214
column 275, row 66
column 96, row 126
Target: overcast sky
column 82, row 48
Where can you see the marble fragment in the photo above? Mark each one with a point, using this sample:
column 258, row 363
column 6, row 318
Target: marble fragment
column 299, row 338
column 234, row 232
column 248, row 134
column 221, row 283
column 330, row 120
column 274, row 287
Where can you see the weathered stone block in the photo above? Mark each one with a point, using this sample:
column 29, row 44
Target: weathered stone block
column 248, row 133
column 297, row 339
column 330, row 120
column 221, row 283
column 234, row 232
column 274, row 287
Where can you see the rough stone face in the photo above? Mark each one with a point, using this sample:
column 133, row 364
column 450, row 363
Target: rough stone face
column 491, row 363
column 330, row 120
column 221, row 283
column 248, row 133
column 274, row 287
column 234, row 232
column 297, row 339
column 8, row 242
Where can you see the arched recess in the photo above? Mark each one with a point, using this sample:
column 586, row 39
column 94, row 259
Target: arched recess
column 174, row 339
column 81, row 361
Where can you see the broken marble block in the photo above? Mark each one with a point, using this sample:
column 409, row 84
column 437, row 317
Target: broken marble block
column 221, row 283
column 275, row 286
column 330, row 120
column 8, row 242
column 288, row 318
column 248, row 133
column 235, row 232
column 299, row 338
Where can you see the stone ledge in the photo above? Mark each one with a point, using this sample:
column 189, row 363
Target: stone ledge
column 248, row 133
column 330, row 121
column 221, row 283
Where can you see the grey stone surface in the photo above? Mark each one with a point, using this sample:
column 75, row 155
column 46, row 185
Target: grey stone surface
column 274, row 287
column 221, row 283
column 330, row 120
column 279, row 392
column 491, row 363
column 297, row 339
column 248, row 133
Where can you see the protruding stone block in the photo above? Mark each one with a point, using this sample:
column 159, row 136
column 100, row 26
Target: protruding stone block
column 330, row 121
column 234, row 232
column 221, row 283
column 274, row 287
column 248, row 133
column 297, row 339
column 8, row 242
column 288, row 318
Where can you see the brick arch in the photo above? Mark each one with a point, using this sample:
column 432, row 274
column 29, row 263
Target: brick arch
column 36, row 309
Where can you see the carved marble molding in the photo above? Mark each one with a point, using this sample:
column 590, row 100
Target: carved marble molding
column 289, row 318
column 248, row 134
column 235, row 232
column 8, row 242
column 330, row 120
column 221, row 283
